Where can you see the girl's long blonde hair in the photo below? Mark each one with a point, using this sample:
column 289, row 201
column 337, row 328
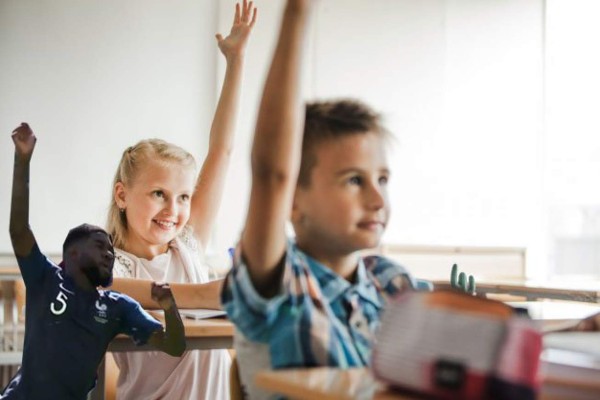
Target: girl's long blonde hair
column 134, row 158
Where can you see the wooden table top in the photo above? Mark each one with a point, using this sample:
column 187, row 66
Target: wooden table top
column 203, row 334
column 534, row 289
column 358, row 383
column 10, row 273
column 210, row 327
column 327, row 383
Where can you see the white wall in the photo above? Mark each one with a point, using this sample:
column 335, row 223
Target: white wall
column 572, row 145
column 93, row 77
column 460, row 82
column 233, row 209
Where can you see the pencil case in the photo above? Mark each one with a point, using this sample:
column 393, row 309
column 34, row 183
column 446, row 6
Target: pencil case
column 451, row 345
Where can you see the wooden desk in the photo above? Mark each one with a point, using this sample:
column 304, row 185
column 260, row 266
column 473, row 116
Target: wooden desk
column 206, row 334
column 10, row 273
column 534, row 290
column 550, row 311
column 358, row 383
column 326, row 383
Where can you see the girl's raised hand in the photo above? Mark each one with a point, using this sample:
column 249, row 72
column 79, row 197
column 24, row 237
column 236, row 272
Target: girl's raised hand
column 243, row 22
column 24, row 140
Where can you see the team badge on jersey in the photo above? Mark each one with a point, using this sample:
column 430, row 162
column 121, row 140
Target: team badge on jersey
column 101, row 316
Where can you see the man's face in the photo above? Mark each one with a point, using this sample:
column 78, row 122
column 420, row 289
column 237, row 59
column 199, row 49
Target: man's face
column 97, row 259
column 345, row 208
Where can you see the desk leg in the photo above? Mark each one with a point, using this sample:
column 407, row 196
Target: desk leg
column 98, row 392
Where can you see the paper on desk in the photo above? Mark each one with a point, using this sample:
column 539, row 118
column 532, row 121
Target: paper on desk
column 197, row 313
column 572, row 356
column 201, row 313
column 582, row 342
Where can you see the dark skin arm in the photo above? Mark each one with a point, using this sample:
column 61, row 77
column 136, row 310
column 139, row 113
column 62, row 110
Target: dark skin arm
column 171, row 340
column 21, row 236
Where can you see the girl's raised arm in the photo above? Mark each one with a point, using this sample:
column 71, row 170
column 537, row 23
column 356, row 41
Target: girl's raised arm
column 211, row 180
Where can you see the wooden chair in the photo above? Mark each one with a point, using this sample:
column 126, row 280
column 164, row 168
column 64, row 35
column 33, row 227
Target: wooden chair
column 12, row 328
column 235, row 385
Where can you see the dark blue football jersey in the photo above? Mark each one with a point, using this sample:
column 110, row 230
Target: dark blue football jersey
column 67, row 332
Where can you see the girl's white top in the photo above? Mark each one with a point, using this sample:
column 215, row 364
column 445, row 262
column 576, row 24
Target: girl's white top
column 156, row 375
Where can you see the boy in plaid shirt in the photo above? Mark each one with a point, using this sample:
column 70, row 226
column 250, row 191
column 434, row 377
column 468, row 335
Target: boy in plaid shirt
column 312, row 301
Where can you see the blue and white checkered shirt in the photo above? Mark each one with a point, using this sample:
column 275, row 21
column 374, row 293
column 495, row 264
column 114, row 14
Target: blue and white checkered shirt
column 317, row 318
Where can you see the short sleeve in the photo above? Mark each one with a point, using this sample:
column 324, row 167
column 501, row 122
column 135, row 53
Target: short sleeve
column 245, row 307
column 391, row 277
column 189, row 240
column 136, row 322
column 34, row 266
column 123, row 267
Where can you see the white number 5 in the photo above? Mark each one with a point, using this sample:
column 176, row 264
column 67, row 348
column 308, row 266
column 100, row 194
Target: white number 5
column 61, row 297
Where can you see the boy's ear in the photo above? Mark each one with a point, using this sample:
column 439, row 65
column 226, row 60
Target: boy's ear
column 120, row 195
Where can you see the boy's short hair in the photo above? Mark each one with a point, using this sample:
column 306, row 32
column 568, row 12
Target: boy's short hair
column 330, row 120
column 80, row 232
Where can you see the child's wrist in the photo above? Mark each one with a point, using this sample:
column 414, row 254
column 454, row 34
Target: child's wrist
column 300, row 5
column 235, row 59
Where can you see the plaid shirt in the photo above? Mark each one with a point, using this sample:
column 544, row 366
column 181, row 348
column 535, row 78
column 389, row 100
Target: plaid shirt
column 317, row 318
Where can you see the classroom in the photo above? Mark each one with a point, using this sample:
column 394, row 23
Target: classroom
column 491, row 107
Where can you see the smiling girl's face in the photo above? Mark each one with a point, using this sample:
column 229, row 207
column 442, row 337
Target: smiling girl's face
column 157, row 206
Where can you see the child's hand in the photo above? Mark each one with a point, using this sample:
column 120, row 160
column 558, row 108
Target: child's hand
column 161, row 293
column 589, row 324
column 235, row 44
column 459, row 281
column 24, row 140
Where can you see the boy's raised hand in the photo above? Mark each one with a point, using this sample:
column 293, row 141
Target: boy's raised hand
column 161, row 293
column 243, row 22
column 460, row 282
column 24, row 140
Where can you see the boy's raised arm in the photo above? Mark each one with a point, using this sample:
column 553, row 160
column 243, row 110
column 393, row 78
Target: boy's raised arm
column 21, row 235
column 209, row 188
column 276, row 150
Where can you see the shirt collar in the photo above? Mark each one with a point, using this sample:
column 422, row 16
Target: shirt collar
column 332, row 285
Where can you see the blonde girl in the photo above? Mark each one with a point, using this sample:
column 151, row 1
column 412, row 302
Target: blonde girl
column 161, row 216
